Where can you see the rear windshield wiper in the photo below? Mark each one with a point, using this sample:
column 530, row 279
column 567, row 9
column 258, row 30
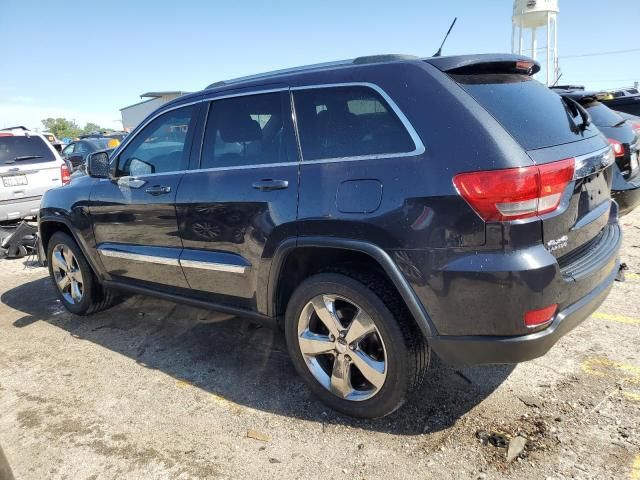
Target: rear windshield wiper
column 26, row 157
column 576, row 108
column 620, row 123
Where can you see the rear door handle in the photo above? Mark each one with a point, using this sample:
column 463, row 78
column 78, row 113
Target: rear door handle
column 268, row 185
column 158, row 190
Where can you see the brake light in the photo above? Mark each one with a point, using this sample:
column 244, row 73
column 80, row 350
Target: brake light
column 536, row 318
column 524, row 66
column 618, row 148
column 6, row 134
column 65, row 174
column 515, row 193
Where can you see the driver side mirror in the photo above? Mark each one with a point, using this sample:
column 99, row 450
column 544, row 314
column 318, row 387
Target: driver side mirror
column 98, row 165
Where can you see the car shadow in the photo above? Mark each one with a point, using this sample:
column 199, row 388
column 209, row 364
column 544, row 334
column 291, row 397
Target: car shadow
column 242, row 361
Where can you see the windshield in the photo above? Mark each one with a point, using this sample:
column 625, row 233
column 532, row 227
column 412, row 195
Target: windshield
column 533, row 115
column 24, row 150
column 601, row 115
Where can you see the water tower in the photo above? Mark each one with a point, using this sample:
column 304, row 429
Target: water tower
column 529, row 17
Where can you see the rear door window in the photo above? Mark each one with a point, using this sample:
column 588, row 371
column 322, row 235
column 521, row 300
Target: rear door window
column 23, row 150
column 348, row 121
column 535, row 116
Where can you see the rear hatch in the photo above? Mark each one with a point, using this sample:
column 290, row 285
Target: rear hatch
column 550, row 129
column 619, row 133
column 28, row 167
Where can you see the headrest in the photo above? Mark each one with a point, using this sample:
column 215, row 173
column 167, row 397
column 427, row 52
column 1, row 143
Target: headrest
column 240, row 128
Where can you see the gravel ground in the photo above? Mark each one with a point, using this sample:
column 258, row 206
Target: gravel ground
column 149, row 389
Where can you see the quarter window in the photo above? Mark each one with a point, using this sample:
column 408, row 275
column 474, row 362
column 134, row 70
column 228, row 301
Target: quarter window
column 160, row 147
column 244, row 131
column 350, row 121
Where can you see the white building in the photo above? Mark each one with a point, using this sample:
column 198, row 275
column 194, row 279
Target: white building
column 134, row 114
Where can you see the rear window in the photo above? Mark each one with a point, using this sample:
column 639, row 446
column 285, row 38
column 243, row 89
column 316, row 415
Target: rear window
column 339, row 122
column 602, row 116
column 99, row 143
column 534, row 115
column 23, row 150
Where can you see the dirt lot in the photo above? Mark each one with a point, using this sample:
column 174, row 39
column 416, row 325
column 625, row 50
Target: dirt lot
column 149, row 389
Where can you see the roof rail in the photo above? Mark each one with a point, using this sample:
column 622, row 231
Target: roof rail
column 567, row 87
column 21, row 127
column 317, row 66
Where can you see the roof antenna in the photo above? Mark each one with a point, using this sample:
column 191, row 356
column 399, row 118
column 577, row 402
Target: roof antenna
column 439, row 52
column 556, row 82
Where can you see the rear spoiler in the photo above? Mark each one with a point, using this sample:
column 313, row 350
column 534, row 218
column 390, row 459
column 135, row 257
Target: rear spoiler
column 485, row 63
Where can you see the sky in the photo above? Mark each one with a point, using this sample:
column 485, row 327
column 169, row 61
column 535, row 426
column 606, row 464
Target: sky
column 85, row 60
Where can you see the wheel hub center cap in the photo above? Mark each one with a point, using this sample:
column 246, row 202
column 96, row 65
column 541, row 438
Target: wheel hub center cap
column 341, row 345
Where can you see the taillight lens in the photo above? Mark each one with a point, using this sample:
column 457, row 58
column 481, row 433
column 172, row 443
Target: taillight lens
column 6, row 134
column 515, row 193
column 618, row 148
column 536, row 318
column 65, row 174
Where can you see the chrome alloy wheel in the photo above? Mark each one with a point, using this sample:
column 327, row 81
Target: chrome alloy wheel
column 342, row 347
column 67, row 274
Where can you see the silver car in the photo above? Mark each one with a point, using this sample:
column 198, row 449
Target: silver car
column 29, row 166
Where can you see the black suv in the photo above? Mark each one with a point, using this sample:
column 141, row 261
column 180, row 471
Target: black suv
column 625, row 140
column 380, row 208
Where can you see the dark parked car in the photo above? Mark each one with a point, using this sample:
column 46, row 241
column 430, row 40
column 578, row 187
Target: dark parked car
column 75, row 154
column 379, row 209
column 634, row 120
column 624, row 137
column 628, row 103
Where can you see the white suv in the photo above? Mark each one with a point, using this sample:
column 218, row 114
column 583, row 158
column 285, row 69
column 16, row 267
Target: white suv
column 29, row 166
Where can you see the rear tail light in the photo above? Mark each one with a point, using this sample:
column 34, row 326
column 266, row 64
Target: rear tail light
column 6, row 134
column 515, row 193
column 65, row 175
column 618, row 148
column 536, row 318
column 636, row 127
column 524, row 66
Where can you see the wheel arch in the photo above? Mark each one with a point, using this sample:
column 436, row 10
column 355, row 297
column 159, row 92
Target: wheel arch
column 48, row 226
column 278, row 290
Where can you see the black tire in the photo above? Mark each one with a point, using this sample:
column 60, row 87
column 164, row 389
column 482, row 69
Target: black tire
column 94, row 296
column 407, row 353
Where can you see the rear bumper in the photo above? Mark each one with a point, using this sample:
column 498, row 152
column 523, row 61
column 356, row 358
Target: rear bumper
column 16, row 209
column 476, row 301
column 628, row 199
column 477, row 350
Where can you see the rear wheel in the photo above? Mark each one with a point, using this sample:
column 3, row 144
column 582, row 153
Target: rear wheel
column 75, row 282
column 354, row 344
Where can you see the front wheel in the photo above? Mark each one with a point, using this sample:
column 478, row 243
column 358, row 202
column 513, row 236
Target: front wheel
column 354, row 344
column 75, row 282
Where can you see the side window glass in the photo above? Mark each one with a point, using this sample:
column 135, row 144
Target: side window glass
column 81, row 148
column 160, row 147
column 247, row 130
column 68, row 150
column 338, row 122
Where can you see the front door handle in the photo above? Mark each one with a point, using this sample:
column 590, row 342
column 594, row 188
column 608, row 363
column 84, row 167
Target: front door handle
column 158, row 190
column 268, row 185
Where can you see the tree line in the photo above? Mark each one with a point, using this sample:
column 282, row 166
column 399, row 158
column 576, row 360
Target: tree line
column 63, row 128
